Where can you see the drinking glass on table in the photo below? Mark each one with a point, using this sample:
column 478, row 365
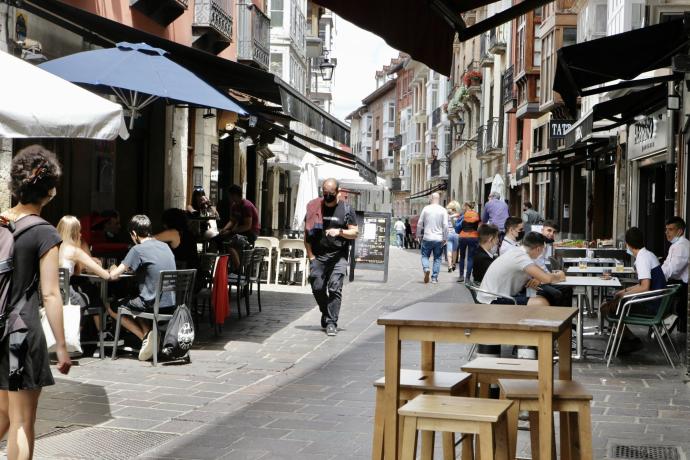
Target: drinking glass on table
column 606, row 273
column 582, row 264
column 619, row 266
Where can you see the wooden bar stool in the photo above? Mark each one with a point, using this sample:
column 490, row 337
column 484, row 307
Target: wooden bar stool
column 484, row 417
column 487, row 371
column 568, row 396
column 412, row 384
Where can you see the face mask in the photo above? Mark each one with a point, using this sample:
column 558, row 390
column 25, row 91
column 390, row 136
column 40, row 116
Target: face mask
column 548, row 240
column 494, row 249
column 520, row 235
column 629, row 252
column 329, row 197
column 675, row 239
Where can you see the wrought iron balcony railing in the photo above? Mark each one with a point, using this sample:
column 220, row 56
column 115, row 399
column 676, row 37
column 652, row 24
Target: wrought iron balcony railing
column 253, row 36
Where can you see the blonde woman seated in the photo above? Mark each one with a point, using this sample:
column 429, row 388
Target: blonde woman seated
column 75, row 259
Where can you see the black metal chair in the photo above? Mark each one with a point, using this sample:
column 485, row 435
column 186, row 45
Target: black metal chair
column 240, row 278
column 205, row 275
column 178, row 282
column 258, row 257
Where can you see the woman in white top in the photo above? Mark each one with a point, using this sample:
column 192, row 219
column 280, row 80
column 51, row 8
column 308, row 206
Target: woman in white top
column 76, row 260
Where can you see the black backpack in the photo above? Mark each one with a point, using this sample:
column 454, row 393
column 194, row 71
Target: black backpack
column 9, row 232
column 179, row 335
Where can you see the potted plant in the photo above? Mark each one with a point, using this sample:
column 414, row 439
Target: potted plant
column 472, row 78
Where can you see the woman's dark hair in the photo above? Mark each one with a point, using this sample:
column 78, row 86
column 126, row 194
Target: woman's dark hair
column 634, row 238
column 176, row 219
column 140, row 225
column 35, row 170
column 196, row 195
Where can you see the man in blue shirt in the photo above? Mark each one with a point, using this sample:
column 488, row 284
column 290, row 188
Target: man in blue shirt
column 496, row 212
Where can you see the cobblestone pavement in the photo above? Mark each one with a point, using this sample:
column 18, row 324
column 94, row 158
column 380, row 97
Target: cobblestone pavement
column 273, row 386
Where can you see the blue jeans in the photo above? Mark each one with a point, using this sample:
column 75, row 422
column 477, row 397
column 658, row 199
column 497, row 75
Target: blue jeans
column 429, row 247
column 467, row 247
column 400, row 238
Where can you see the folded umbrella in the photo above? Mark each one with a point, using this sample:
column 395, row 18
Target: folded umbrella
column 138, row 74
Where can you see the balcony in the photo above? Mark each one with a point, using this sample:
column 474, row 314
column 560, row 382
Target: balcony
column 509, row 94
column 388, row 129
column 472, row 78
column 528, row 110
column 415, row 150
column 436, row 116
column 253, row 36
column 162, row 11
column 486, row 58
column 212, row 26
column 490, row 140
column 435, row 169
column 383, row 164
column 497, row 40
column 400, row 184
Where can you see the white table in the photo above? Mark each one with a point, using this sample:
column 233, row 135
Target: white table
column 590, row 260
column 575, row 270
column 588, row 282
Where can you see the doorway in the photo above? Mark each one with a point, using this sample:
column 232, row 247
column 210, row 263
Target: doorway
column 651, row 206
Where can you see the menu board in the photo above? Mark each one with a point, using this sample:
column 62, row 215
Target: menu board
column 370, row 251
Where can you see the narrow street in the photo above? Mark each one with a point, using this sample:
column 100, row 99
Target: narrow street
column 273, row 386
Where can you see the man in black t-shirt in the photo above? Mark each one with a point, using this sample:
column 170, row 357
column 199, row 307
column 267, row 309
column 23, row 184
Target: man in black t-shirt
column 329, row 227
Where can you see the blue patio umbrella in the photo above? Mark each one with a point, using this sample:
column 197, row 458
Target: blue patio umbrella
column 138, row 74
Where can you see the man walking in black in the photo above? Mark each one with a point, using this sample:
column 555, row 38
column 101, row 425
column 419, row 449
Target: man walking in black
column 329, row 226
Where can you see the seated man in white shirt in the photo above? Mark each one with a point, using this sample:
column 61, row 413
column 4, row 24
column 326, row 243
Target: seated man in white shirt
column 650, row 277
column 675, row 268
column 515, row 231
column 561, row 296
column 516, row 269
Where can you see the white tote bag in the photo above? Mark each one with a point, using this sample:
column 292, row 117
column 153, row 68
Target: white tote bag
column 71, row 319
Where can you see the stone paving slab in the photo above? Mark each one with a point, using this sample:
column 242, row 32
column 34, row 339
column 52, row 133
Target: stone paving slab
column 273, row 386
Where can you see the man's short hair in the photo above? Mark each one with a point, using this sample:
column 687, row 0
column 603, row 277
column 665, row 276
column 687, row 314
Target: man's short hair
column 486, row 232
column 634, row 238
column 140, row 225
column 528, row 205
column 552, row 224
column 677, row 221
column 533, row 240
column 512, row 222
column 235, row 190
column 334, row 180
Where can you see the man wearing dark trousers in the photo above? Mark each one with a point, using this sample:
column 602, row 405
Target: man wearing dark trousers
column 329, row 226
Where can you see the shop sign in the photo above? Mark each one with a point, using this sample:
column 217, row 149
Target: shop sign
column 521, row 172
column 558, row 128
column 647, row 136
column 579, row 131
column 366, row 173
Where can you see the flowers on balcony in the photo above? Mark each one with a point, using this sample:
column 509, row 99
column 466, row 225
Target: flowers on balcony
column 472, row 78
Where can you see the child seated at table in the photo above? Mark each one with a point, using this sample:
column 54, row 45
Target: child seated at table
column 146, row 259
column 651, row 277
column 75, row 259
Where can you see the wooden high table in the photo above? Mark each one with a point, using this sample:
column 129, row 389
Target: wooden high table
column 482, row 324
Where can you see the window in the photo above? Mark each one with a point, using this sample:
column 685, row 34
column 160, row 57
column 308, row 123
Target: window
column 569, row 36
column 637, row 15
column 537, row 53
column 276, row 13
column 600, row 19
column 277, row 64
column 537, row 144
column 521, row 37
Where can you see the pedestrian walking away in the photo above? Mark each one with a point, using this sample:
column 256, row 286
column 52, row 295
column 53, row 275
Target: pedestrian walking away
column 496, row 212
column 329, row 227
column 530, row 216
column 432, row 232
column 469, row 240
column 399, row 232
column 453, row 240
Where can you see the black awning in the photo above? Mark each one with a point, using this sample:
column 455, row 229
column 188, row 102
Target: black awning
column 622, row 110
column 618, row 57
column 217, row 71
column 557, row 158
column 424, row 29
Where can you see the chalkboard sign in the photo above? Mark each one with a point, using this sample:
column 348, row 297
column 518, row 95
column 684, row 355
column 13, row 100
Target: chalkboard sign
column 370, row 251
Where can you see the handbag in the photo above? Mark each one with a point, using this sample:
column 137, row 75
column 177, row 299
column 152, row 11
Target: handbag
column 71, row 321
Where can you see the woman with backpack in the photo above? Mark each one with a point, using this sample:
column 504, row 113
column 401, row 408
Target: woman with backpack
column 24, row 362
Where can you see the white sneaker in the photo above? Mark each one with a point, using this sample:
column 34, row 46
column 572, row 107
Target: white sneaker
column 146, row 351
